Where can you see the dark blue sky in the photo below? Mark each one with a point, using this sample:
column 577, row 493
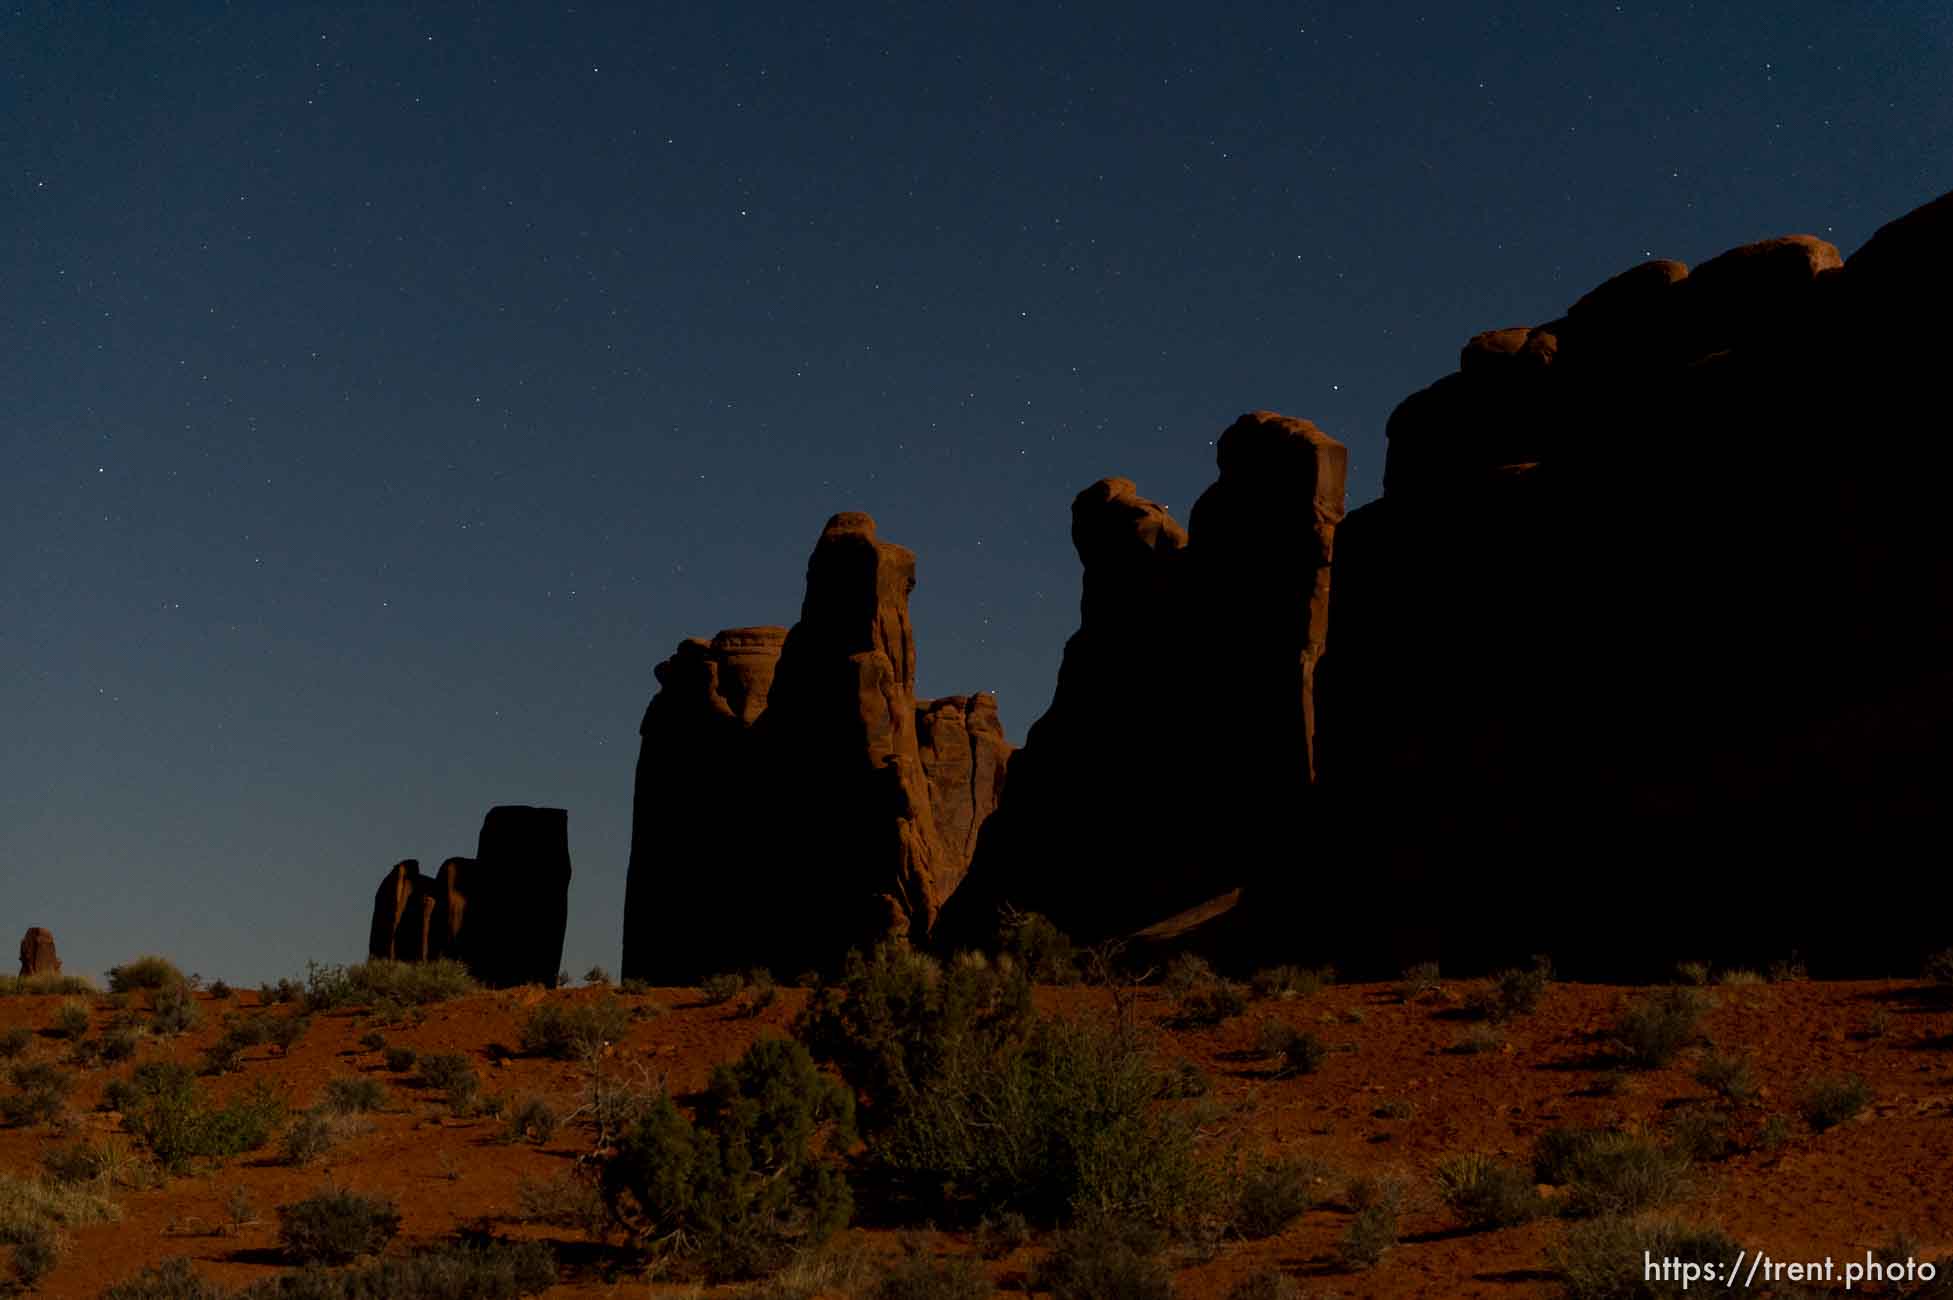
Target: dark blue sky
column 387, row 389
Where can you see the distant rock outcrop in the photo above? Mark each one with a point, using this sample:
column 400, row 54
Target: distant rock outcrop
column 1173, row 763
column 37, row 955
column 1644, row 652
column 793, row 796
column 502, row 912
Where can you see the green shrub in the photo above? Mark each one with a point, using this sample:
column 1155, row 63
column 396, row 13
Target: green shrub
column 40, row 1095
column 283, row 1032
column 31, row 1214
column 1701, row 1134
column 578, row 1031
column 1041, row 948
column 221, row 992
column 1212, row 1003
column 335, row 1227
column 310, row 1135
column 441, row 1070
column 1609, row 1172
column 173, row 1010
column 1484, row 1193
column 173, row 1279
column 400, row 1059
column 1728, row 1076
column 354, row 1095
column 1106, row 1259
column 1652, row 1031
column 566, row 1200
column 373, row 1041
column 1606, row 1259
column 1419, row 980
column 72, row 1020
column 35, row 1251
column 1275, row 1193
column 1510, row 994
column 532, row 1120
column 1294, row 1051
column 119, row 1045
column 163, row 1109
column 754, row 1176
column 144, row 973
column 409, row 983
column 1740, row 979
column 285, row 990
column 715, row 990
column 1373, row 1230
column 14, row 1042
column 998, row 1235
column 1692, row 972
column 1829, row 1101
column 918, row 1277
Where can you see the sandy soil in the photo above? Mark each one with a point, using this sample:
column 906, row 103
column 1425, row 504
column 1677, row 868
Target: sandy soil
column 1837, row 1193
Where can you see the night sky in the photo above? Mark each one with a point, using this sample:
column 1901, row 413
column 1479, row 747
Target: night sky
column 388, row 389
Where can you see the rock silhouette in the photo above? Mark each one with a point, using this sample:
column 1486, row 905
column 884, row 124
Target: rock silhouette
column 37, row 955
column 1177, row 747
column 789, row 783
column 501, row 912
column 1646, row 625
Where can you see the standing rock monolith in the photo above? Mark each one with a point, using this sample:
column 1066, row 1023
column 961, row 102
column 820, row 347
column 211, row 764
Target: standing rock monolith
column 37, row 955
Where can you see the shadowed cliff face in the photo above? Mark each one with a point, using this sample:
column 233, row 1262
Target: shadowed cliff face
column 1173, row 763
column 790, row 784
column 1642, row 631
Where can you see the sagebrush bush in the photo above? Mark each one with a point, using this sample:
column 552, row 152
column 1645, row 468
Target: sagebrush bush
column 336, row 1226
column 1831, row 1100
column 144, row 973
column 566, row 1200
column 920, row 1277
column 1212, row 1003
column 1294, row 1051
column 173, row 1010
column 1485, row 1193
column 1418, row 980
column 1728, row 1076
column 72, row 1020
column 1510, row 993
column 119, row 1045
column 400, row 1059
column 441, row 1070
column 1374, row 1229
column 716, row 990
column 1041, row 948
column 1606, row 1171
column 1106, row 1259
column 408, row 983
column 1605, row 1259
column 532, row 1120
column 1272, row 1194
column 40, row 1094
column 570, row 1031
column 353, row 1095
column 1654, row 1030
column 754, row 1176
column 1701, row 1134
column 32, row 1213
column 15, row 1042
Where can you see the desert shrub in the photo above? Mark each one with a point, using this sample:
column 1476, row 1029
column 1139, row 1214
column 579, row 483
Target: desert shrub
column 1290, row 981
column 918, row 1277
column 1692, row 972
column 283, row 1032
column 144, row 973
column 1510, row 993
column 532, row 1120
column 1106, row 1259
column 1608, row 1172
column 400, row 1059
column 1740, row 978
column 1772, row 1133
column 1788, row 970
column 1373, row 1230
column 1210, row 1003
column 498, row 1271
column 566, row 1200
column 1294, row 1051
column 1419, row 980
column 715, row 990
column 173, row 1010
column 1655, row 1028
column 1273, row 1194
column 441, row 1070
column 761, row 991
column 1605, row 1259
column 1727, row 1075
column 58, row 986
column 222, row 1057
column 173, row 1279
column 734, row 1191
column 72, row 1020
column 1041, row 948
column 163, row 1109
column 33, row 1254
column 1186, row 972
column 335, row 1227
column 31, row 1214
column 119, row 1045
column 108, row 1163
column 1484, row 1193
column 373, row 1041
column 998, row 1235
column 1269, row 1284
column 40, row 1094
column 409, row 983
column 221, row 992
column 1701, row 1134
column 1831, row 1100
column 284, row 990
column 310, row 1135
column 14, row 1042
column 569, row 1031
column 353, row 1095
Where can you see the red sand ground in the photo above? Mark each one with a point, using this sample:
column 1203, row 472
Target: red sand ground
column 1837, row 1193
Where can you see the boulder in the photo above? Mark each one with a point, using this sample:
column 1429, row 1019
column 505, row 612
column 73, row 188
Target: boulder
column 37, row 955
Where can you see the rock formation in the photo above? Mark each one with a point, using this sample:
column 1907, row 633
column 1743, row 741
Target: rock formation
column 1153, row 782
column 37, row 955
column 501, row 912
column 1652, row 620
column 793, row 797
